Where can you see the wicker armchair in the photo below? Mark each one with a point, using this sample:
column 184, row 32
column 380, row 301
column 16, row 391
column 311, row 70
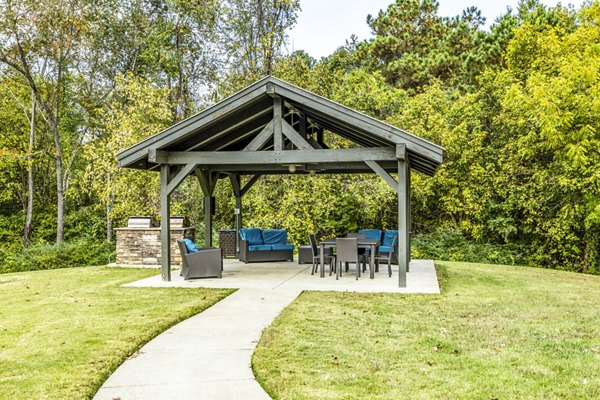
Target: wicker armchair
column 206, row 263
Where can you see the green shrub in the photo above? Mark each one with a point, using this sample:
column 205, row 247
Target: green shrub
column 76, row 253
column 451, row 245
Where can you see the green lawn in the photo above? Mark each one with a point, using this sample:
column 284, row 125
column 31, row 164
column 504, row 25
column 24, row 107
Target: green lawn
column 62, row 332
column 496, row 332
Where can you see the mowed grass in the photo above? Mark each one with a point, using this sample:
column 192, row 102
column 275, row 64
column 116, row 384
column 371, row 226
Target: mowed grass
column 62, row 332
column 495, row 332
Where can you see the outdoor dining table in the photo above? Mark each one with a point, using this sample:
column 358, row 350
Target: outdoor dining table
column 370, row 244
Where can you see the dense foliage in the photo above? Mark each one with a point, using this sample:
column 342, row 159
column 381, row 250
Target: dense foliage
column 517, row 108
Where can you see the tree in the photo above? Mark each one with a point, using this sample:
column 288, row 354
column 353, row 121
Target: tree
column 413, row 45
column 253, row 34
column 41, row 41
column 135, row 110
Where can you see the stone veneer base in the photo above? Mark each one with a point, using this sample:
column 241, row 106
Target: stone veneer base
column 140, row 247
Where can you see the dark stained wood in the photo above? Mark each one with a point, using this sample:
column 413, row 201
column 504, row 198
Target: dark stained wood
column 282, row 157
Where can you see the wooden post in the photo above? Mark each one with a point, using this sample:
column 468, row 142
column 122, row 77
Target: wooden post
column 238, row 222
column 409, row 215
column 277, row 124
column 165, row 232
column 403, row 242
column 302, row 125
column 236, row 185
column 208, row 205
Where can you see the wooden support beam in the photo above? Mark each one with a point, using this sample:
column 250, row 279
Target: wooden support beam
column 179, row 177
column 207, row 158
column 208, row 181
column 222, row 134
column 320, row 137
column 401, row 152
column 238, row 222
column 208, row 205
column 302, row 125
column 403, row 229
column 213, row 177
column 295, row 137
column 165, row 211
column 203, row 180
column 261, row 138
column 315, row 144
column 277, row 124
column 236, row 184
column 409, row 215
column 249, row 184
column 383, row 174
column 157, row 156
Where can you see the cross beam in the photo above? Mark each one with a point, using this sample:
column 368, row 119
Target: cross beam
column 272, row 157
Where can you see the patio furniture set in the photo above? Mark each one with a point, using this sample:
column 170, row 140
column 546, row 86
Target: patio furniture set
column 367, row 246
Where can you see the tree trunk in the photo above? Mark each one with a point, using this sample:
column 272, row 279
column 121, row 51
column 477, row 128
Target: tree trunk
column 109, row 203
column 60, row 187
column 29, row 217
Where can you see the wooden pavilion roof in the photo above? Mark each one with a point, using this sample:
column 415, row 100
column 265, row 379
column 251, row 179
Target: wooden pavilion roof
column 244, row 121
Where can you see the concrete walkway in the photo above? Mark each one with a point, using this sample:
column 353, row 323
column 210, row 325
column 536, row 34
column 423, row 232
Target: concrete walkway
column 208, row 356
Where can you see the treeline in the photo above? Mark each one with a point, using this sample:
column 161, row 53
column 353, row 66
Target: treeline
column 517, row 108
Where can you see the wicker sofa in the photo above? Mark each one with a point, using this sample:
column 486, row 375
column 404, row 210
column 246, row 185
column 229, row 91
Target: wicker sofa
column 261, row 245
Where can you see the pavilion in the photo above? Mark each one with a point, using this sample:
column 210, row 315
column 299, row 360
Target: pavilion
column 273, row 127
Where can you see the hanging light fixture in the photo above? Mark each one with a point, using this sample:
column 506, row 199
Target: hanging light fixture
column 292, row 168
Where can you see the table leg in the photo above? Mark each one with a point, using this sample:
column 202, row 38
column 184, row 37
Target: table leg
column 322, row 259
column 372, row 266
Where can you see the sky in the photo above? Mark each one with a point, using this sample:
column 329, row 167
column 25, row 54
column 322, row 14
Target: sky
column 324, row 25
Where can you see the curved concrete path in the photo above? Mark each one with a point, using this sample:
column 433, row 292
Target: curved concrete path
column 205, row 357
column 208, row 356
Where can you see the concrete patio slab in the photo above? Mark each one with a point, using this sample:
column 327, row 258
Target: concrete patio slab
column 422, row 278
column 209, row 355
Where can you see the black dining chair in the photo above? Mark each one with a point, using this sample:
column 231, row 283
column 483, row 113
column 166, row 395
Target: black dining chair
column 346, row 252
column 317, row 256
column 387, row 257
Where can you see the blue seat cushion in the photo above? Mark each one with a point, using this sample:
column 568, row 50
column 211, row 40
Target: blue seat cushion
column 260, row 247
column 274, row 236
column 384, row 249
column 372, row 234
column 281, row 246
column 388, row 238
column 252, row 235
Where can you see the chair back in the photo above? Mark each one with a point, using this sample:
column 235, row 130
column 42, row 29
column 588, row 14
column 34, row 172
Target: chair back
column 183, row 251
column 356, row 235
column 371, row 234
column 313, row 244
column 394, row 248
column 346, row 250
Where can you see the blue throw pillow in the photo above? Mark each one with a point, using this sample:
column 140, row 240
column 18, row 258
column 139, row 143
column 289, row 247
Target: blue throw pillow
column 252, row 235
column 190, row 245
column 274, row 236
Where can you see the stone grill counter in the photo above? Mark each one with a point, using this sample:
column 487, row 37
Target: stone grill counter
column 141, row 246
